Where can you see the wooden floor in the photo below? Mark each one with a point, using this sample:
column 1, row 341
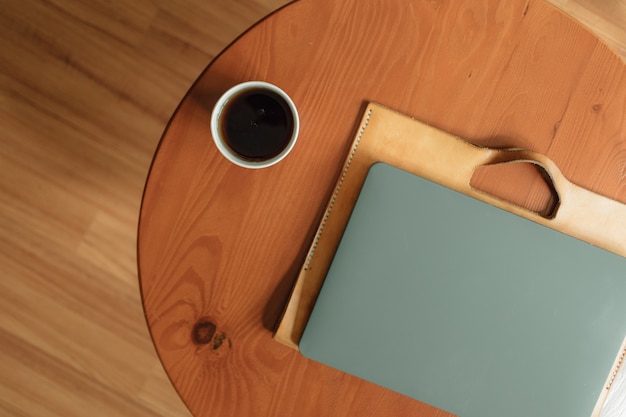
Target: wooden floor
column 86, row 88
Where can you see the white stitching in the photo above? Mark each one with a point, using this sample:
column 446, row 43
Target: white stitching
column 616, row 371
column 336, row 192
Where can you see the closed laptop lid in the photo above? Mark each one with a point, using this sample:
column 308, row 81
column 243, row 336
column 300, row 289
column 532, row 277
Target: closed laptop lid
column 467, row 307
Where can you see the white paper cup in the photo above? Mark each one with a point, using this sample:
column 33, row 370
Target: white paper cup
column 225, row 120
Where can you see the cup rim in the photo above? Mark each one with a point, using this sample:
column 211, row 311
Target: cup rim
column 226, row 151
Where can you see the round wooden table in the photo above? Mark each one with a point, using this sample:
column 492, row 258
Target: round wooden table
column 220, row 246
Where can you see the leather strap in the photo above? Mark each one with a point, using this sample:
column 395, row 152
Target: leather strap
column 393, row 138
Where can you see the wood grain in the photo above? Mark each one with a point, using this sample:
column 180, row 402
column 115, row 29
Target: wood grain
column 220, row 246
column 86, row 89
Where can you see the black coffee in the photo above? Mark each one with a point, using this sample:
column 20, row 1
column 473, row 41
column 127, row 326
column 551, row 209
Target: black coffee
column 257, row 124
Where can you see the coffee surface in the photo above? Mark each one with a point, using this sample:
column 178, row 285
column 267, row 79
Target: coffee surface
column 257, row 124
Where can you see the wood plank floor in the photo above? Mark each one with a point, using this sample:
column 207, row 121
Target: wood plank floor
column 86, row 88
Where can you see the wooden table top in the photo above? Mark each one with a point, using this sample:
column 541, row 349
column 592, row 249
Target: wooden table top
column 220, row 246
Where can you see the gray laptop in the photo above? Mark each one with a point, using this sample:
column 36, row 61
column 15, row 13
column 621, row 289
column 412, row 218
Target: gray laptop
column 467, row 307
